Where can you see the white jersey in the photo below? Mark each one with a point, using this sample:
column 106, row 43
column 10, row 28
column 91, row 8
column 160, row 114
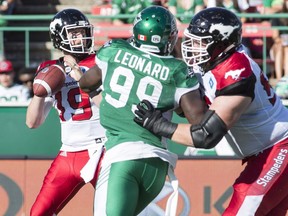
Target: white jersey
column 15, row 93
column 265, row 122
column 79, row 116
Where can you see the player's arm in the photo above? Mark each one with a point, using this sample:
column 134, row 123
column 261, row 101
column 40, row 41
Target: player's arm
column 91, row 80
column 225, row 110
column 193, row 106
column 220, row 117
column 37, row 111
column 97, row 99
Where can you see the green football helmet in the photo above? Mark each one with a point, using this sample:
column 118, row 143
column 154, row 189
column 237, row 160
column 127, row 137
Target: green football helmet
column 155, row 30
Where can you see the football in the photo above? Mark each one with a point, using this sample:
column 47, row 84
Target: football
column 49, row 80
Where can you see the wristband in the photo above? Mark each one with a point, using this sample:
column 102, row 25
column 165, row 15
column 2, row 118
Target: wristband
column 93, row 93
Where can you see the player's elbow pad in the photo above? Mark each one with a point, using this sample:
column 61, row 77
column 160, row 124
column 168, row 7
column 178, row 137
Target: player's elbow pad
column 209, row 132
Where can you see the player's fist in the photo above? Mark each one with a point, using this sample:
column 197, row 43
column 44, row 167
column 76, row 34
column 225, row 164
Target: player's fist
column 151, row 119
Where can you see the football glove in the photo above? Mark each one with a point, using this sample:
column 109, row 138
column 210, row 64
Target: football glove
column 151, row 119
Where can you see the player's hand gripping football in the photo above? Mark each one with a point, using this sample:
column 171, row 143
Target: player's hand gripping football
column 71, row 67
column 151, row 119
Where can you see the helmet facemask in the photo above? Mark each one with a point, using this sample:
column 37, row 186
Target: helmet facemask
column 211, row 37
column 195, row 49
column 71, row 43
column 80, row 43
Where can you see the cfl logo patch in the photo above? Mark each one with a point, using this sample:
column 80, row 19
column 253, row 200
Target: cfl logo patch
column 155, row 39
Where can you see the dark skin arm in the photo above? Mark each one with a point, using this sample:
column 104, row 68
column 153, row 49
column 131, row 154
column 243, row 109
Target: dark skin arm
column 150, row 118
column 193, row 106
column 91, row 80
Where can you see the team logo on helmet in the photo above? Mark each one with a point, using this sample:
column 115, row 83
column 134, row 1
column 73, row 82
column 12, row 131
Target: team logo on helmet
column 54, row 23
column 224, row 30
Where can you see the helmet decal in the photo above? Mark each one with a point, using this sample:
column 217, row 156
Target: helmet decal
column 54, row 23
column 155, row 39
column 82, row 22
column 142, row 37
column 224, row 30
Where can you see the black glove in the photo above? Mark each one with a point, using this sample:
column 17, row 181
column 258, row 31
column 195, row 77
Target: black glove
column 152, row 119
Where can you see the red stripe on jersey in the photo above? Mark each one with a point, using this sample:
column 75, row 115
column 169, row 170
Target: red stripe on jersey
column 88, row 61
column 232, row 70
column 45, row 64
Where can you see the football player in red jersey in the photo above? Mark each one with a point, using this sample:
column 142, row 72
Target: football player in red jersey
column 82, row 135
column 242, row 107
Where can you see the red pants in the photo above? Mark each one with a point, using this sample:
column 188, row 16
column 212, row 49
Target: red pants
column 262, row 188
column 61, row 183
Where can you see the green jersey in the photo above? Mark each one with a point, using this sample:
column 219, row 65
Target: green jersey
column 130, row 75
